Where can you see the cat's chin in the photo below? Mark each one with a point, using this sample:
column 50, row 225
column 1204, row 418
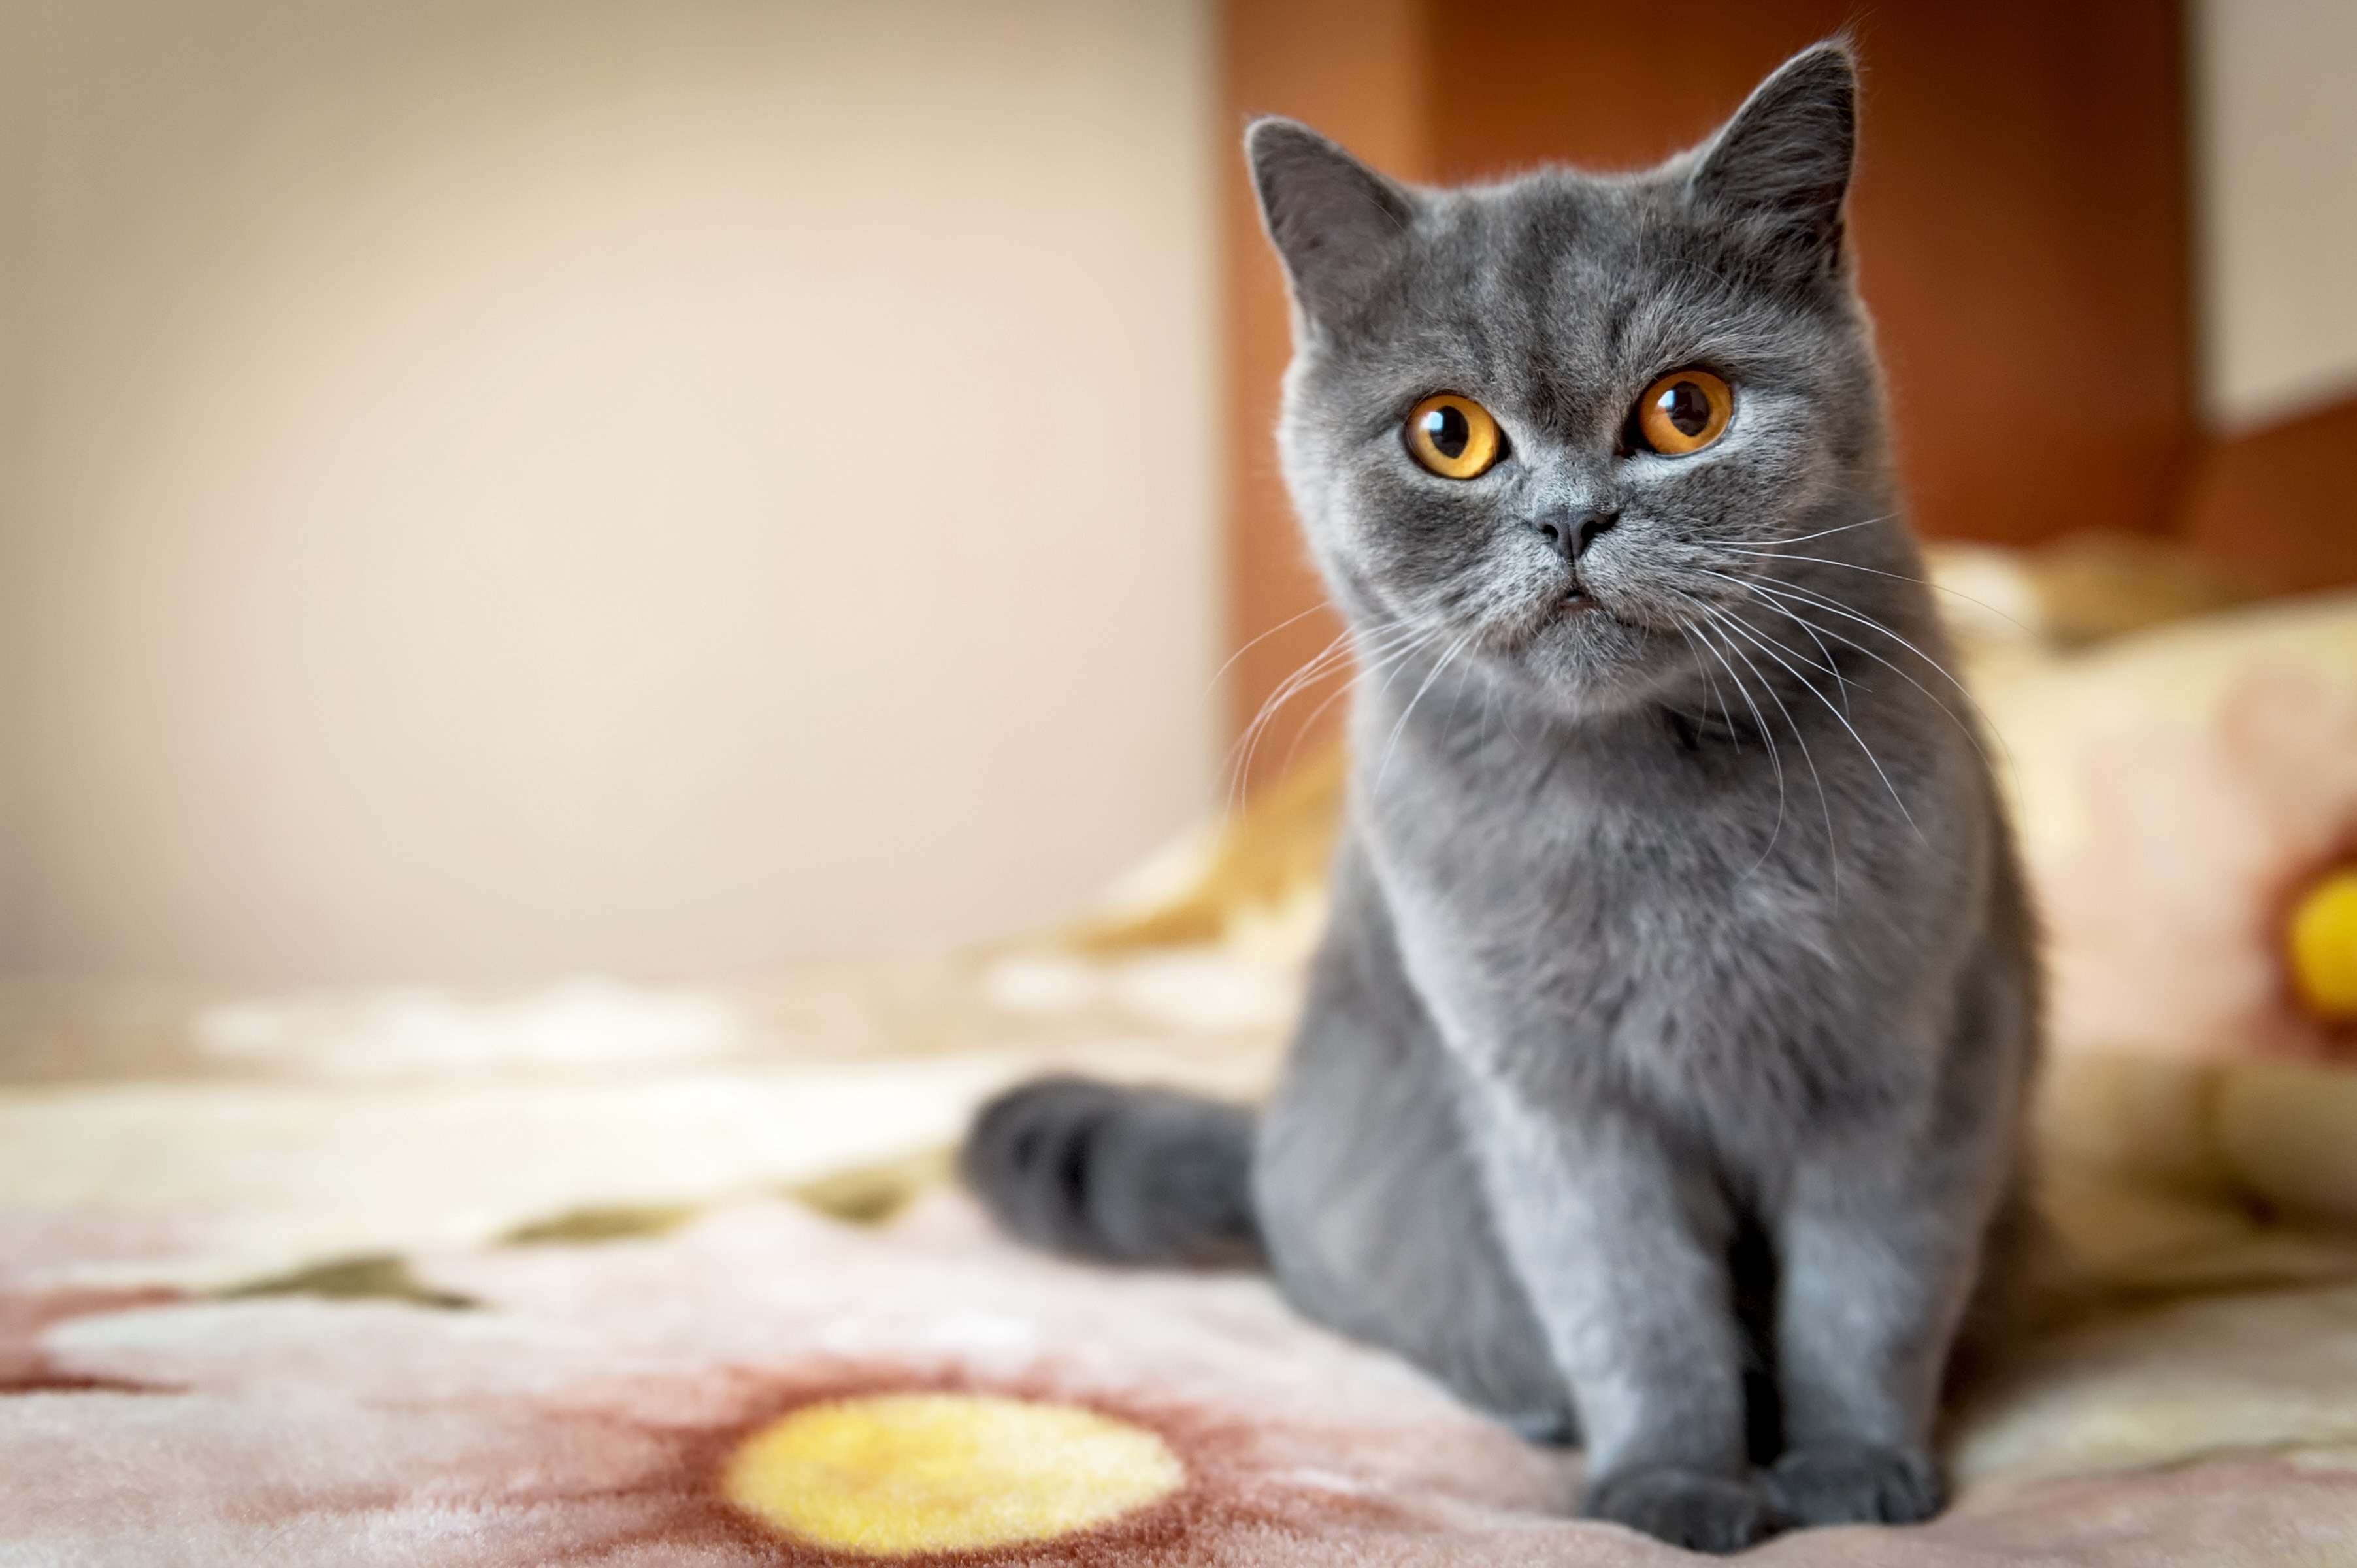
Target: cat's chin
column 1585, row 629
column 1571, row 621
column 1587, row 663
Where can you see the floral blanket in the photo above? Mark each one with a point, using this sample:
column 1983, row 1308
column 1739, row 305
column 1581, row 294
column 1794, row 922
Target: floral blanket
column 635, row 1401
column 622, row 1274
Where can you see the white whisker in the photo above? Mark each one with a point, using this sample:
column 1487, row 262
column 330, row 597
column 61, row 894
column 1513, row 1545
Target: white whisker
column 1231, row 662
column 1825, row 532
column 1767, row 646
column 1398, row 729
column 1710, row 685
column 1895, row 576
column 1820, row 601
column 1825, row 802
column 1832, row 666
column 1398, row 653
column 1327, row 661
column 1774, row 759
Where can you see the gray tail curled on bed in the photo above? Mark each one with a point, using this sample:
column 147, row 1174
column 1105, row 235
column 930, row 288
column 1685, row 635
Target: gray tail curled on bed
column 1119, row 1175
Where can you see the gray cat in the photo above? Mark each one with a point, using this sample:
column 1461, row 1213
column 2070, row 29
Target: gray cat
column 1661, row 1078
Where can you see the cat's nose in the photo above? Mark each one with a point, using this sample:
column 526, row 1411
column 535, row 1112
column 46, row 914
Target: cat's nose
column 1571, row 532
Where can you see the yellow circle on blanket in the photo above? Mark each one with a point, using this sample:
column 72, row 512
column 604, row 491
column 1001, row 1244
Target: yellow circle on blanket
column 2324, row 948
column 900, row 1473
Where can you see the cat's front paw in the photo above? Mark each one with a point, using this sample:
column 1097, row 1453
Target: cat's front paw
column 1685, row 1507
column 1857, row 1483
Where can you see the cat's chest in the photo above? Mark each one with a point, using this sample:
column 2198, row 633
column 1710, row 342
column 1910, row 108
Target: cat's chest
column 1602, row 906
column 1580, row 844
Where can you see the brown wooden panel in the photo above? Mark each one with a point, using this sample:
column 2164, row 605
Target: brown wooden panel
column 2280, row 505
column 1355, row 69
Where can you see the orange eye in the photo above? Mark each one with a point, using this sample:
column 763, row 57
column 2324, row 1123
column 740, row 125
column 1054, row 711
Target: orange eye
column 1454, row 437
column 1684, row 411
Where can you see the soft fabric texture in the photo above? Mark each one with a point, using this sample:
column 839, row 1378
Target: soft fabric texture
column 255, row 1307
column 2177, row 792
column 584, row 1408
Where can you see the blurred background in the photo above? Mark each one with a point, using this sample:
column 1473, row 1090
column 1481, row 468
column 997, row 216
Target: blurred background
column 490, row 489
column 502, row 487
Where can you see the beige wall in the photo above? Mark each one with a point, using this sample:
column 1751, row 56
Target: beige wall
column 2277, row 87
column 498, row 485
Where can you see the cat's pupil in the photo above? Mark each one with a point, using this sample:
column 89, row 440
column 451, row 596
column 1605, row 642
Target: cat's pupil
column 1449, row 431
column 1686, row 408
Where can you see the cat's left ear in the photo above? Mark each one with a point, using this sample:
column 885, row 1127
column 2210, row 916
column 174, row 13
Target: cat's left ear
column 1336, row 223
column 1782, row 165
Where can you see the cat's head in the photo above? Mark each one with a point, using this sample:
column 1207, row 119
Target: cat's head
column 1541, row 423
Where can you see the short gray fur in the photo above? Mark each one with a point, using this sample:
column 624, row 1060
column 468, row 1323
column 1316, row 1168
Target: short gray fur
column 1661, row 1079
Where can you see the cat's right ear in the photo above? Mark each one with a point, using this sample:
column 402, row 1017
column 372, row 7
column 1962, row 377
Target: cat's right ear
column 1782, row 165
column 1337, row 224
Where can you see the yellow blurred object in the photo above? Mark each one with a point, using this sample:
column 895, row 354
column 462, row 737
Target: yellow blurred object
column 893, row 1473
column 1258, row 862
column 2323, row 939
column 2095, row 587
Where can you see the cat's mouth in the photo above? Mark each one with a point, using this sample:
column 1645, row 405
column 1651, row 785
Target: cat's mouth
column 1566, row 614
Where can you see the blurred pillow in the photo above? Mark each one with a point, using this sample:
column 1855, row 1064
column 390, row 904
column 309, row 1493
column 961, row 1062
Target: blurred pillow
column 2186, row 801
column 2077, row 591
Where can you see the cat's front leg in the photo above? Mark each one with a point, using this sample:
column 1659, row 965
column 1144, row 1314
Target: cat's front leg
column 1624, row 1257
column 1877, row 1257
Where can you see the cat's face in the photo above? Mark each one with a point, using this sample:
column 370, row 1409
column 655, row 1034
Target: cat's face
column 1539, row 423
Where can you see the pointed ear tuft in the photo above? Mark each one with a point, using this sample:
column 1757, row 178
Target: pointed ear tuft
column 1783, row 162
column 1336, row 223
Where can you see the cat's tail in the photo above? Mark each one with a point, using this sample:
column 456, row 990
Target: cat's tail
column 1124, row 1175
